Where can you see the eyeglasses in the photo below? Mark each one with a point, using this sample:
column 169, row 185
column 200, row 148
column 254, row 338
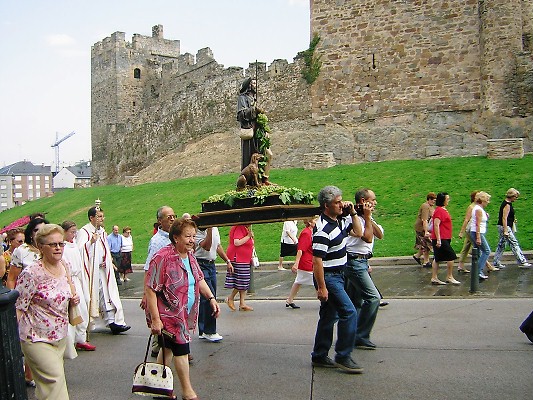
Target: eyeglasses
column 58, row 244
column 172, row 216
column 18, row 241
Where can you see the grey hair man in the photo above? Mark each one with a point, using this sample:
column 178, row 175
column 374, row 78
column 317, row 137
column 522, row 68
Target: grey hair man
column 329, row 261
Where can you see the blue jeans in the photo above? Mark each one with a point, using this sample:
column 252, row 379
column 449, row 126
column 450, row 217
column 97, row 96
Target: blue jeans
column 484, row 251
column 364, row 296
column 339, row 308
column 206, row 322
column 515, row 247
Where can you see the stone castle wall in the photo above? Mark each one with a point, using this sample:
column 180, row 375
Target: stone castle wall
column 399, row 79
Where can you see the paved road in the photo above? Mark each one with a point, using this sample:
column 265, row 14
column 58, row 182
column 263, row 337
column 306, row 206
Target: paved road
column 433, row 343
column 428, row 349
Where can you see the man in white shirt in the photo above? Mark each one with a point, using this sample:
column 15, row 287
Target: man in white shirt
column 207, row 248
column 359, row 284
column 165, row 217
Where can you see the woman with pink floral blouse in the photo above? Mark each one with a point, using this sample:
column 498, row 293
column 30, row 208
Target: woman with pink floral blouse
column 42, row 313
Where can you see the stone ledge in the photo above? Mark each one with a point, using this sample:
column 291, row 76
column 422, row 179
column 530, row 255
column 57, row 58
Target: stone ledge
column 319, row 160
column 505, row 148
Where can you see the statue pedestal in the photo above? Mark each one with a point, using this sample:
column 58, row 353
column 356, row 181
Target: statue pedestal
column 254, row 215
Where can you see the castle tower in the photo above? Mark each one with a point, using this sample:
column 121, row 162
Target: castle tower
column 505, row 26
column 123, row 74
column 387, row 58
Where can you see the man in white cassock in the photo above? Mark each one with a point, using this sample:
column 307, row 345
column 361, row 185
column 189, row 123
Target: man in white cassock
column 98, row 266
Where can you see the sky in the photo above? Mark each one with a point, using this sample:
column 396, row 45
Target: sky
column 45, row 64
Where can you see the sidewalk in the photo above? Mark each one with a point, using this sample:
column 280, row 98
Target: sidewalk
column 396, row 277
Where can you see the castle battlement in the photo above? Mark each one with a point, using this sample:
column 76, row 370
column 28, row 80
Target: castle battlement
column 448, row 76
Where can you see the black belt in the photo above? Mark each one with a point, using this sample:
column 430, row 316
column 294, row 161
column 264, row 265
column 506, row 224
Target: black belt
column 333, row 270
column 356, row 256
column 205, row 260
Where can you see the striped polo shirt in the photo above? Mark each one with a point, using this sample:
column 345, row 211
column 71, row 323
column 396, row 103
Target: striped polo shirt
column 329, row 241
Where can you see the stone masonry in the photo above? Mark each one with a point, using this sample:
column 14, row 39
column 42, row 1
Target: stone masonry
column 400, row 79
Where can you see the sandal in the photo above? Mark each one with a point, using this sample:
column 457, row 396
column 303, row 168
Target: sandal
column 231, row 304
column 245, row 308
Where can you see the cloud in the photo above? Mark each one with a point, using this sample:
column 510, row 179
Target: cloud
column 59, row 40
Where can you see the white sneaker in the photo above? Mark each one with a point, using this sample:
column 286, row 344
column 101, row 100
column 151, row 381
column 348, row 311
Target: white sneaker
column 212, row 337
column 525, row 265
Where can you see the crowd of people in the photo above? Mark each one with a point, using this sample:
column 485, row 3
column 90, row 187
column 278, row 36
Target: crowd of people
column 433, row 230
column 57, row 266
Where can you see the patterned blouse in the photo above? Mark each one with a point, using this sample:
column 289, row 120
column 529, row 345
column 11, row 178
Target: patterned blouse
column 44, row 303
column 25, row 255
column 167, row 276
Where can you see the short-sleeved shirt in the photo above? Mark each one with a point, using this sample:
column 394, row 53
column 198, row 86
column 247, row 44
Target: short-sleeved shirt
column 424, row 214
column 127, row 244
column 289, row 226
column 202, row 253
column 445, row 227
column 157, row 242
column 115, row 242
column 305, row 244
column 329, row 241
column 241, row 254
column 358, row 245
column 44, row 302
column 24, row 256
column 168, row 277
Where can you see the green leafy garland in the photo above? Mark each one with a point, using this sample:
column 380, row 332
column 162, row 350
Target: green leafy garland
column 286, row 195
column 262, row 128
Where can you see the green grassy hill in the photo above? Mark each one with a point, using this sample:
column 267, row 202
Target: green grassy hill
column 400, row 186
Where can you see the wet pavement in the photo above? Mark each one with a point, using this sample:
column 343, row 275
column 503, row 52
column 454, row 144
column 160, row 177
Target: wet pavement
column 395, row 277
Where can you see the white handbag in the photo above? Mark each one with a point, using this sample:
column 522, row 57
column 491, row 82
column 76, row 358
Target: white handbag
column 255, row 259
column 153, row 379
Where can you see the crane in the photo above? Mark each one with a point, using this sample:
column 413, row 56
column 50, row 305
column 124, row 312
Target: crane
column 56, row 145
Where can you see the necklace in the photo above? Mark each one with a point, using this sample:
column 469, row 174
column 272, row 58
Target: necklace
column 57, row 273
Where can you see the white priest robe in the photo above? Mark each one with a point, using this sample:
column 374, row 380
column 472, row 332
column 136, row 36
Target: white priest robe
column 100, row 278
column 72, row 254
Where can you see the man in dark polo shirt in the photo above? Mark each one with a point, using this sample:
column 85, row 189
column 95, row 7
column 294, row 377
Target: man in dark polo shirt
column 329, row 262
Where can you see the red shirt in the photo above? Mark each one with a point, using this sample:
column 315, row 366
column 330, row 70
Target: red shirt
column 240, row 254
column 445, row 226
column 305, row 244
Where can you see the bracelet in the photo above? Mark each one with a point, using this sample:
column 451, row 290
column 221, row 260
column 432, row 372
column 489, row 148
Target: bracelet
column 211, row 298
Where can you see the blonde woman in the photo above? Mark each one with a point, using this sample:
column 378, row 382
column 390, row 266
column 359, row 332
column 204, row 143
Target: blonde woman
column 506, row 221
column 478, row 228
column 42, row 313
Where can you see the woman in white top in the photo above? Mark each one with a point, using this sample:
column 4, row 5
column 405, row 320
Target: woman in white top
column 289, row 241
column 126, row 250
column 71, row 253
column 478, row 228
column 27, row 253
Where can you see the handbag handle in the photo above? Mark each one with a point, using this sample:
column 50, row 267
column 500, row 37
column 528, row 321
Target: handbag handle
column 69, row 279
column 148, row 349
